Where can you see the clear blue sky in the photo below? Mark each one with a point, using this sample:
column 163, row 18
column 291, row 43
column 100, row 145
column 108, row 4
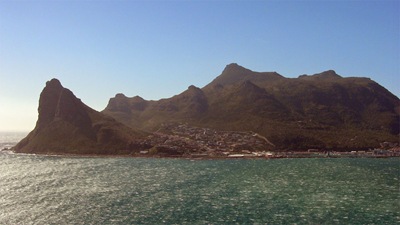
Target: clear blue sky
column 156, row 49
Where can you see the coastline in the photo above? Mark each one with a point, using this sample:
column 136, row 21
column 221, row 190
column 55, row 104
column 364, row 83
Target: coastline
column 277, row 155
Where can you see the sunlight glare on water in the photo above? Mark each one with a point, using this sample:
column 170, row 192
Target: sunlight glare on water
column 73, row 190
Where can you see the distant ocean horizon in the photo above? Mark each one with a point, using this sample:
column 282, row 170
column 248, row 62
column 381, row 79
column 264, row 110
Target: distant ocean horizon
column 38, row 189
column 9, row 139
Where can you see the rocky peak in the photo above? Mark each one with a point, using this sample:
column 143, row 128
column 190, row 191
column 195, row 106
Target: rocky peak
column 326, row 75
column 194, row 90
column 57, row 102
column 53, row 84
column 48, row 101
column 330, row 74
column 234, row 74
column 120, row 95
column 137, row 98
column 234, row 68
column 66, row 124
column 192, row 87
column 121, row 103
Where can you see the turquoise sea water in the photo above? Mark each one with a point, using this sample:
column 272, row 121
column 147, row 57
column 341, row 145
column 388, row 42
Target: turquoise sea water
column 76, row 190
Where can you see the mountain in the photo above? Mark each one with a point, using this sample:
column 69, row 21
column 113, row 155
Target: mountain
column 149, row 115
column 323, row 110
column 234, row 73
column 240, row 110
column 66, row 125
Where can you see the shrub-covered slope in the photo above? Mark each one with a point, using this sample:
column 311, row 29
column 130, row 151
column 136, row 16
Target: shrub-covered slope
column 322, row 110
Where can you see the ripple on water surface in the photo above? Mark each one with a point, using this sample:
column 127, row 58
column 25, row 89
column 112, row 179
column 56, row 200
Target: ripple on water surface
column 62, row 190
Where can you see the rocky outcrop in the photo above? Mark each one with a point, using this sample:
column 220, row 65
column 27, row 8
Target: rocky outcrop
column 66, row 125
column 326, row 75
column 190, row 102
column 234, row 74
column 121, row 103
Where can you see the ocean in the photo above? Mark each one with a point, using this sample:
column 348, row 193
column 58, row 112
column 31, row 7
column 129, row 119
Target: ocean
column 36, row 189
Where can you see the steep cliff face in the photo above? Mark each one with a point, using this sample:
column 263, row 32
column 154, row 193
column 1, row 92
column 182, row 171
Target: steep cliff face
column 323, row 110
column 66, row 125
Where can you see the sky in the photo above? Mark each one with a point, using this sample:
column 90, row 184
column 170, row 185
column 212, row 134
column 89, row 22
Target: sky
column 156, row 49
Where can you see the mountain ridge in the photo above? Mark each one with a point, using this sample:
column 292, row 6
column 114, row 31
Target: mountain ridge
column 330, row 107
column 240, row 110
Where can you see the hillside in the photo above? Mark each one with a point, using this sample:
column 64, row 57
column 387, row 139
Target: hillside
column 325, row 110
column 66, row 125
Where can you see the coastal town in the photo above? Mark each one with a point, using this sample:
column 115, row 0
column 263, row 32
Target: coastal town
column 183, row 140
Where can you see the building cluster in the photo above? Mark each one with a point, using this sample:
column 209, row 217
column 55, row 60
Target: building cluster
column 182, row 139
column 189, row 141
